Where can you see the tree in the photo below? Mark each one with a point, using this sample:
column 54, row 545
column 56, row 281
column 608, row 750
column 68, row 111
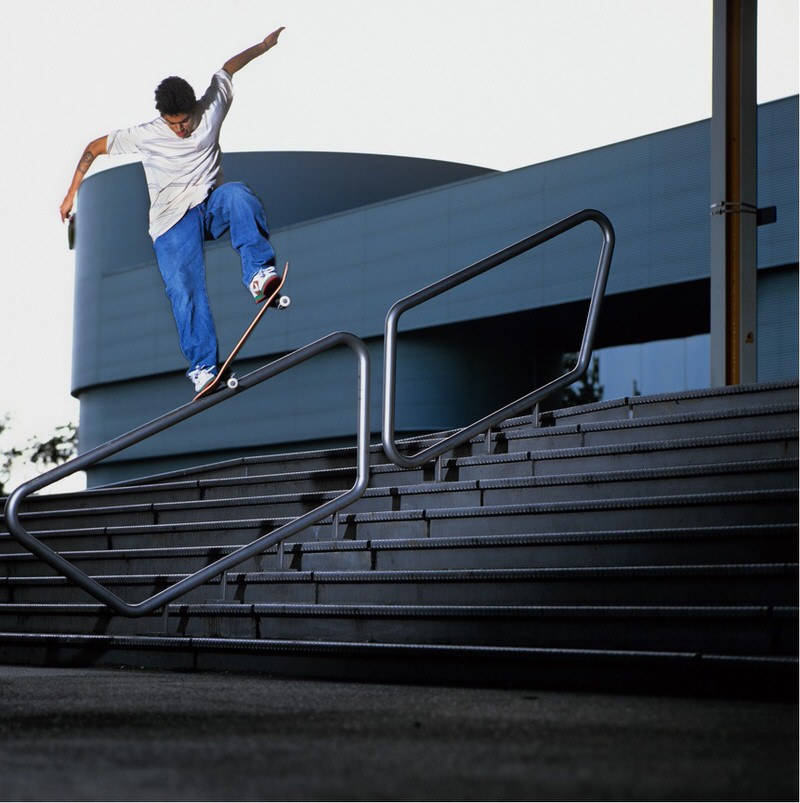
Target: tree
column 58, row 448
column 6, row 459
column 588, row 389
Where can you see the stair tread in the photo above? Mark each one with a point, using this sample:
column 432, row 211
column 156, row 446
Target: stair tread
column 546, row 480
column 666, row 444
column 687, row 417
column 445, row 575
column 603, row 504
column 455, row 611
column 667, row 500
column 322, row 647
column 170, row 481
column 493, row 541
column 701, row 394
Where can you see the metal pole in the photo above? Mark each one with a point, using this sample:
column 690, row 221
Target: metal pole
column 734, row 204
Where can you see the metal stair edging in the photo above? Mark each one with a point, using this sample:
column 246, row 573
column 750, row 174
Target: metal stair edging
column 159, row 600
column 449, row 282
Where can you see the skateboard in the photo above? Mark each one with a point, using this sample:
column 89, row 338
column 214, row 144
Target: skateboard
column 275, row 300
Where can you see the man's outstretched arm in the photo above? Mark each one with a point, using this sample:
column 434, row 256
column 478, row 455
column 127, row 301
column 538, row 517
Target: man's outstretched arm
column 234, row 64
column 94, row 149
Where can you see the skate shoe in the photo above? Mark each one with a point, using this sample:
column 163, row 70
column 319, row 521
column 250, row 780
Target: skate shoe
column 263, row 284
column 201, row 376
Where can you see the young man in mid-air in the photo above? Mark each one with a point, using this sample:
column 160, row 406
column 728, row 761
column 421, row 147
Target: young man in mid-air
column 189, row 201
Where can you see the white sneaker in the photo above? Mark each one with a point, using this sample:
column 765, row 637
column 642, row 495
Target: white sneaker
column 263, row 284
column 201, row 376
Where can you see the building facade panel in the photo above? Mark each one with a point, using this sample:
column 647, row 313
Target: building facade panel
column 778, row 182
column 463, row 354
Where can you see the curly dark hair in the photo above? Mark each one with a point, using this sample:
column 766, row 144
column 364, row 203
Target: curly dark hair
column 175, row 96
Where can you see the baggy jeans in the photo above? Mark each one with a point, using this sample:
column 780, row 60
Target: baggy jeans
column 230, row 207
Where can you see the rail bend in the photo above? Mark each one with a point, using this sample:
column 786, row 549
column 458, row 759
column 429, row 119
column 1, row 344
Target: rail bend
column 448, row 283
column 159, row 600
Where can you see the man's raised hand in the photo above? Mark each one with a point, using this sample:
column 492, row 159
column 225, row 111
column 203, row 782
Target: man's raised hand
column 272, row 39
column 233, row 65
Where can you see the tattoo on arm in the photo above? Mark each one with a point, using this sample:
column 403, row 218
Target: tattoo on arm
column 86, row 162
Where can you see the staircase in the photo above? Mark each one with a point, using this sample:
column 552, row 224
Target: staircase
column 645, row 544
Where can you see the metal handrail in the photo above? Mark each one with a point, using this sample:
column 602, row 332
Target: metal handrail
column 152, row 603
column 470, row 272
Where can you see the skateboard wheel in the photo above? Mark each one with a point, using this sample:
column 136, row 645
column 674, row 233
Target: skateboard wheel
column 233, row 383
column 283, row 302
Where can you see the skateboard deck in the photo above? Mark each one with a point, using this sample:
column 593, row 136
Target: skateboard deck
column 274, row 300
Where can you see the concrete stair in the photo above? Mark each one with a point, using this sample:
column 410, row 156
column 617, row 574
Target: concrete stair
column 638, row 544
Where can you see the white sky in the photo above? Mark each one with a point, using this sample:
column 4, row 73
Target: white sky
column 501, row 84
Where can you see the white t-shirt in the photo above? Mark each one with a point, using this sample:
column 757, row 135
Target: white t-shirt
column 180, row 172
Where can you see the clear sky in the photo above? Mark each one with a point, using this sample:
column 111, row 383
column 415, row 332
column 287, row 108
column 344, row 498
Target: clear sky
column 501, row 84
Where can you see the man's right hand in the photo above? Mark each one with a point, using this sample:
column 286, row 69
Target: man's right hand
column 66, row 207
column 94, row 149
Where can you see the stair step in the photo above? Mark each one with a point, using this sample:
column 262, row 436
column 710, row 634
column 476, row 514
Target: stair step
column 757, row 543
column 680, row 510
column 738, row 476
column 681, row 401
column 673, row 511
column 761, row 544
column 630, row 671
column 341, row 461
column 749, row 630
column 665, row 453
column 585, row 486
column 198, row 489
column 719, row 584
column 684, row 425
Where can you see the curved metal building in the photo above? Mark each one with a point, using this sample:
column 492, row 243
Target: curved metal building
column 362, row 231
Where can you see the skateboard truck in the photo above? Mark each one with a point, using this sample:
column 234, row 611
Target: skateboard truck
column 278, row 302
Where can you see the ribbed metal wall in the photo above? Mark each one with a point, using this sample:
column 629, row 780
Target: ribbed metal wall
column 777, row 325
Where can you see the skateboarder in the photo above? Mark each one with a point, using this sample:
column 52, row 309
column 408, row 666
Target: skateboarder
column 189, row 201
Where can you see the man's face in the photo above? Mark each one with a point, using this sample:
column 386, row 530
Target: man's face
column 181, row 124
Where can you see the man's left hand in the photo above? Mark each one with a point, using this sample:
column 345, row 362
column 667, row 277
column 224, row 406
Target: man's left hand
column 272, row 39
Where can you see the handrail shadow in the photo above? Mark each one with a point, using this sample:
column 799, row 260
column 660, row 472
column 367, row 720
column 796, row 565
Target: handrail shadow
column 152, row 603
column 449, row 282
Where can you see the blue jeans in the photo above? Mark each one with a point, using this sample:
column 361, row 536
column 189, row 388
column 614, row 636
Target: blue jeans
column 179, row 252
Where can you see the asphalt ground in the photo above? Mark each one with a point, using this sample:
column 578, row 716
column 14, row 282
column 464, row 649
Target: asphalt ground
column 108, row 735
